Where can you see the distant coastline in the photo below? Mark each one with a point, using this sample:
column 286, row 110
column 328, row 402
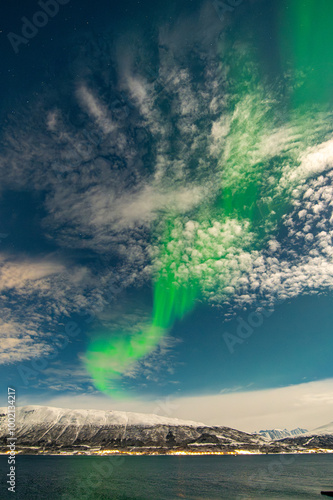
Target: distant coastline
column 114, row 453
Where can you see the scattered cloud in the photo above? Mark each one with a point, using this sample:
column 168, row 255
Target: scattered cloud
column 37, row 296
column 25, row 276
column 112, row 179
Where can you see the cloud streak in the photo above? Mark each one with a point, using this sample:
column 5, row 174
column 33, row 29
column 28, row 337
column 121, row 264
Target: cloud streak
column 307, row 405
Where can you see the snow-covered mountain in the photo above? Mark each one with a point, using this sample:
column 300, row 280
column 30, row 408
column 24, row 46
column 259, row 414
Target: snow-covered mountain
column 28, row 416
column 273, row 434
column 42, row 429
column 321, row 437
column 323, row 430
column 53, row 430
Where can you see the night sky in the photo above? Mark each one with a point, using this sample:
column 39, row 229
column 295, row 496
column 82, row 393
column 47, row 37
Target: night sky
column 166, row 204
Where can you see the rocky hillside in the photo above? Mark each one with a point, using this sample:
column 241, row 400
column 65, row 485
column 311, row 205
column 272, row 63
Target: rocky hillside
column 321, row 437
column 55, row 430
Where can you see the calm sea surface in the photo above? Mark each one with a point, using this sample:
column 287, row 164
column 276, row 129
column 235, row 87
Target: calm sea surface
column 141, row 478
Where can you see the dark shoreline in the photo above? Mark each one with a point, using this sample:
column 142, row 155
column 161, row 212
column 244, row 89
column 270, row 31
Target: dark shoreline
column 164, row 454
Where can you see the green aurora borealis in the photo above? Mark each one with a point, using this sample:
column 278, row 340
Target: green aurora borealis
column 265, row 131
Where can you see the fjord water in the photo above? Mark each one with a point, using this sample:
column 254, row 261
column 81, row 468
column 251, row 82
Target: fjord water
column 165, row 477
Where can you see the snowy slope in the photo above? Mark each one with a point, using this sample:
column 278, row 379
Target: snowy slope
column 323, row 430
column 28, row 416
column 43, row 429
column 55, row 429
column 273, row 434
column 321, row 437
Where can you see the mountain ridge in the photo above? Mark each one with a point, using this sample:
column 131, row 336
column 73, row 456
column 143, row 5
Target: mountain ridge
column 113, row 416
column 49, row 430
column 275, row 434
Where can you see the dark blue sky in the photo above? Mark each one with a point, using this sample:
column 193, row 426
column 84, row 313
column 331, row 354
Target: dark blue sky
column 120, row 120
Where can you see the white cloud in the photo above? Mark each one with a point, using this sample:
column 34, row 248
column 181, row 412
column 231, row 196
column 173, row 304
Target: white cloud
column 308, row 405
column 97, row 110
column 36, row 296
column 27, row 274
column 21, row 340
column 312, row 162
